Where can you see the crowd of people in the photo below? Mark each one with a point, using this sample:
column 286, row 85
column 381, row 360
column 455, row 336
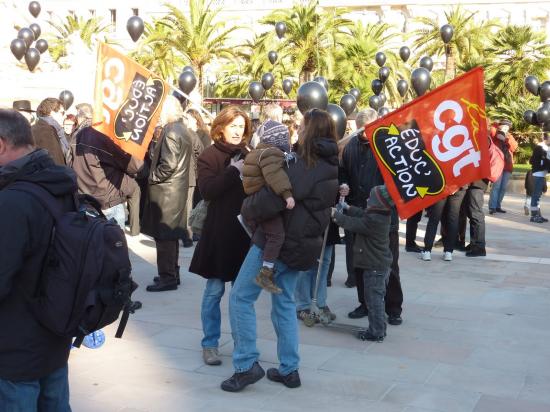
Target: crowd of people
column 273, row 197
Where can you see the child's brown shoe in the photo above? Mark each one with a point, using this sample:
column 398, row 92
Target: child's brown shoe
column 265, row 280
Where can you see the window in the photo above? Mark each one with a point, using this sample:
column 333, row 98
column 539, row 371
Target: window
column 136, row 12
column 113, row 20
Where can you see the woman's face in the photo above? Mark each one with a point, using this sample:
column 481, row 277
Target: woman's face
column 68, row 126
column 233, row 133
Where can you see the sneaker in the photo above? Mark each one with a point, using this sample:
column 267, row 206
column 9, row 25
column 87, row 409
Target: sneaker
column 304, row 315
column 366, row 335
column 292, row 380
column 426, row 255
column 538, row 219
column 448, row 256
column 241, row 380
column 499, row 210
column 264, row 279
column 326, row 311
column 211, row 356
column 359, row 312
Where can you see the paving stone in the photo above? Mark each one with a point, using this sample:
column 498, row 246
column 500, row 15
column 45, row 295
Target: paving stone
column 489, row 403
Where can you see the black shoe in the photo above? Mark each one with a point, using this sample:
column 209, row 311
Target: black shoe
column 350, row 283
column 196, row 237
column 359, row 312
column 241, row 380
column 499, row 210
column 292, row 380
column 366, row 335
column 163, row 284
column 462, row 247
column 474, row 252
column 156, row 279
column 413, row 248
column 395, row 320
column 135, row 305
column 187, row 243
column 492, row 211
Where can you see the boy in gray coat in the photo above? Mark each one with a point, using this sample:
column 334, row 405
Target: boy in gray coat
column 371, row 252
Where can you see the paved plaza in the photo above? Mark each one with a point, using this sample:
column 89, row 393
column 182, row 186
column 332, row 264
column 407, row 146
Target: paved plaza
column 475, row 337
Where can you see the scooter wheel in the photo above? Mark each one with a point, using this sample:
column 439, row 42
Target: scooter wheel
column 309, row 321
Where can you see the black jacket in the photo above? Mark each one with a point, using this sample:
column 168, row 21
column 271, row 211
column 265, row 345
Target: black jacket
column 359, row 170
column 314, row 190
column 539, row 160
column 103, row 169
column 164, row 215
column 27, row 350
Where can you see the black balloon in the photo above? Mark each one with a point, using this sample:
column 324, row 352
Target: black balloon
column 267, row 81
column 404, row 53
column 32, row 57
column 321, row 80
column 544, row 91
column 18, row 47
column 530, row 117
column 543, row 114
column 280, row 29
column 383, row 98
column 66, row 98
column 339, row 117
column 287, row 86
column 26, row 35
column 355, row 92
column 383, row 111
column 532, row 85
column 272, row 56
column 380, row 59
column 375, row 102
column 376, row 85
column 188, row 69
column 311, row 95
column 348, row 103
column 41, row 45
column 187, row 82
column 546, row 127
column 421, row 80
column 36, row 30
column 34, row 8
column 402, row 87
column 383, row 74
column 446, row 31
column 135, row 27
column 427, row 63
column 256, row 91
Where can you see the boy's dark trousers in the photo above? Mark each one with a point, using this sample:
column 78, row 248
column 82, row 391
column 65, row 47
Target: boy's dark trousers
column 274, row 231
column 375, row 282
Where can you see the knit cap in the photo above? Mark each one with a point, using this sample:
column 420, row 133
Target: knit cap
column 379, row 199
column 275, row 134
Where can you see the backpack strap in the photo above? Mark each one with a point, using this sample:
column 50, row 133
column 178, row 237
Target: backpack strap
column 47, row 200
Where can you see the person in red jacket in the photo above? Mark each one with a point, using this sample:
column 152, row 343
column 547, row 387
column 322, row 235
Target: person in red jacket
column 505, row 142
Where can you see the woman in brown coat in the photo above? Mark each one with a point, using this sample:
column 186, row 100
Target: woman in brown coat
column 223, row 243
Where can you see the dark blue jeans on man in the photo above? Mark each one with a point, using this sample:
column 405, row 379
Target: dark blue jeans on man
column 48, row 394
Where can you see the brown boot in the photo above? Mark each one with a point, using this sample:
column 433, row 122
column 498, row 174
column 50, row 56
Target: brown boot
column 265, row 280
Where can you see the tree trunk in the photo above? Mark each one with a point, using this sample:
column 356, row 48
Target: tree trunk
column 450, row 64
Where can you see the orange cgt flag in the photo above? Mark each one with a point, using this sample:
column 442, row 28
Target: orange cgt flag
column 128, row 99
column 430, row 147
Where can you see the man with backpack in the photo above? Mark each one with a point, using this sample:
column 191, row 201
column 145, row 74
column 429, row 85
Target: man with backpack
column 33, row 360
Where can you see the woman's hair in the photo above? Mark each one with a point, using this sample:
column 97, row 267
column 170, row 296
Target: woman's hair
column 171, row 111
column 317, row 124
column 197, row 116
column 224, row 118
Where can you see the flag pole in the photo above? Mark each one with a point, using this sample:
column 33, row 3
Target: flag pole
column 191, row 101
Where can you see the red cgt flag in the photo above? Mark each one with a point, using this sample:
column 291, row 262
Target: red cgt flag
column 430, row 147
column 127, row 101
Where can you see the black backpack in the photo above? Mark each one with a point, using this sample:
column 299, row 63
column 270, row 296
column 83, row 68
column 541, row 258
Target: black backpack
column 86, row 277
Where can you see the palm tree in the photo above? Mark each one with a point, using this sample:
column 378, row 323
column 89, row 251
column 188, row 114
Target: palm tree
column 154, row 53
column 519, row 51
column 469, row 39
column 88, row 30
column 311, row 37
column 197, row 37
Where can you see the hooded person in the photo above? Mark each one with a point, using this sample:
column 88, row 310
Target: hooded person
column 264, row 166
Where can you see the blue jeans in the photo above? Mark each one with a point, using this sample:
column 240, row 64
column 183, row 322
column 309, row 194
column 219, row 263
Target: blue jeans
column 49, row 394
column 305, row 287
column 211, row 315
column 116, row 213
column 498, row 190
column 283, row 315
column 537, row 192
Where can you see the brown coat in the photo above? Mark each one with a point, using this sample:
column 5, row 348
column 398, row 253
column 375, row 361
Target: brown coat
column 264, row 166
column 45, row 137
